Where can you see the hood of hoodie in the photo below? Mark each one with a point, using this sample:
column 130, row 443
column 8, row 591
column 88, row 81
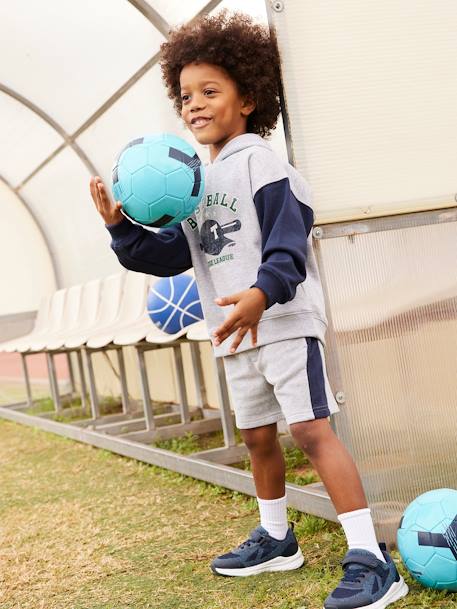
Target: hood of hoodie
column 240, row 142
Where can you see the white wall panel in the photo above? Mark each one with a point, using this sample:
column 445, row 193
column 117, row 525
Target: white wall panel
column 60, row 197
column 25, row 265
column 69, row 57
column 371, row 95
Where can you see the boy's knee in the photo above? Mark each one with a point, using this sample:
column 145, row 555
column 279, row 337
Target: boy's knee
column 260, row 439
column 308, row 435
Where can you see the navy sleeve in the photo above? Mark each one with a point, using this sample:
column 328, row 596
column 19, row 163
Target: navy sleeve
column 285, row 223
column 164, row 253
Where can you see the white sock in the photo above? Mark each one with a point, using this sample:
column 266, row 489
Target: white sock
column 273, row 516
column 359, row 530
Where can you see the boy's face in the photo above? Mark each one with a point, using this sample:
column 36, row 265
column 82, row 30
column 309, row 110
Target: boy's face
column 211, row 105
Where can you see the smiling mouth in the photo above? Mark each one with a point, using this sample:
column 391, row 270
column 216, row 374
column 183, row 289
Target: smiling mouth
column 201, row 122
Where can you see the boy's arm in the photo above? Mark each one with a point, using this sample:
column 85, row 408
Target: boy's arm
column 285, row 223
column 163, row 254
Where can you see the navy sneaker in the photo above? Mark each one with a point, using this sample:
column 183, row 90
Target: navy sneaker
column 260, row 553
column 367, row 583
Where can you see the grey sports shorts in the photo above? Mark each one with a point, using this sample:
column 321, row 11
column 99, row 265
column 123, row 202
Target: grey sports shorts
column 283, row 380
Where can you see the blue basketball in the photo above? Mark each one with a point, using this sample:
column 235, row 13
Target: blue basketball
column 174, row 303
column 427, row 539
column 159, row 180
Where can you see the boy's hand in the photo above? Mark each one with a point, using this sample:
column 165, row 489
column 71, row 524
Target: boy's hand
column 110, row 213
column 249, row 307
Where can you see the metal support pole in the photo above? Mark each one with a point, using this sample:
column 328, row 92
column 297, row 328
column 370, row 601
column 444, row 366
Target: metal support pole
column 224, row 402
column 26, row 380
column 54, row 383
column 144, row 384
column 340, row 424
column 51, row 380
column 123, row 379
column 197, row 369
column 94, row 405
column 82, row 378
column 71, row 373
column 181, row 384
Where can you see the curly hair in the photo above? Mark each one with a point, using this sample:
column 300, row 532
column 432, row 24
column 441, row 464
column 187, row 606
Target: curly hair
column 247, row 51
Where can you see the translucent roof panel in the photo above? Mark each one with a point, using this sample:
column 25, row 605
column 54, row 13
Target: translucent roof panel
column 26, row 139
column 69, row 62
column 28, row 264
column 60, row 199
column 255, row 8
column 69, row 57
column 145, row 108
column 177, row 12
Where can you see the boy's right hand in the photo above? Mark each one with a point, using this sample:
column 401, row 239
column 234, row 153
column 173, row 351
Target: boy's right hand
column 111, row 213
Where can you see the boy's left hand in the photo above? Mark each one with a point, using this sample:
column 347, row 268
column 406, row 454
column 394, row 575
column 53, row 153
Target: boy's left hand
column 249, row 307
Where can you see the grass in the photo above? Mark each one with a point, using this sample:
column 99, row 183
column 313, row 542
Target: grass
column 82, row 528
column 190, row 443
column 298, row 468
column 107, row 405
column 14, row 391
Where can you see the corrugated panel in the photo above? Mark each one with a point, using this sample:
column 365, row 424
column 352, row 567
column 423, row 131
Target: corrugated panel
column 371, row 93
column 392, row 298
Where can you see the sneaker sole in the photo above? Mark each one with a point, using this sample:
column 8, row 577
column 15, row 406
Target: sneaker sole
column 396, row 591
column 281, row 563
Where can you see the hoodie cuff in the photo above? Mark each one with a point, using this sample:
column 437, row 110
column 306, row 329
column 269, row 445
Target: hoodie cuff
column 271, row 286
column 120, row 229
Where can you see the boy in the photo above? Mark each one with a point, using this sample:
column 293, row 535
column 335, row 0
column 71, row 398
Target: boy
column 222, row 74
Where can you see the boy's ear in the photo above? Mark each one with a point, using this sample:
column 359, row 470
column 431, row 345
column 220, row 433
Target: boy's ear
column 248, row 106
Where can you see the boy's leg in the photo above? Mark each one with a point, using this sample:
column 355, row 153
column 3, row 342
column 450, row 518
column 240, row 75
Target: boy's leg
column 337, row 470
column 332, row 461
column 296, row 369
column 334, row 465
column 272, row 546
column 371, row 578
column 269, row 472
column 267, row 460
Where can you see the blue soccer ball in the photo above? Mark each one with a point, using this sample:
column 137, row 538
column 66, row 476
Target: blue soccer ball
column 159, row 180
column 174, row 303
column 427, row 539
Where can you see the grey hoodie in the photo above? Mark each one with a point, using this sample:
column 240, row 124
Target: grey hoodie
column 251, row 228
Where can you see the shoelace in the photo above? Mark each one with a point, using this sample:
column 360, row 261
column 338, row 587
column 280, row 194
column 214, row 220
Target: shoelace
column 250, row 542
column 354, row 575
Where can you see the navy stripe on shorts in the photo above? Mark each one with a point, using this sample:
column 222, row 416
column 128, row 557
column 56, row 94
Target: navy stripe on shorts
column 316, row 379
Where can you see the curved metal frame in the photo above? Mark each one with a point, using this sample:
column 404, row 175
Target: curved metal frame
column 152, row 15
column 68, row 139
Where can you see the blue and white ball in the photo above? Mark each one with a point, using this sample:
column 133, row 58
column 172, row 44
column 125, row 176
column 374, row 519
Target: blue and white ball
column 427, row 539
column 174, row 303
column 159, row 180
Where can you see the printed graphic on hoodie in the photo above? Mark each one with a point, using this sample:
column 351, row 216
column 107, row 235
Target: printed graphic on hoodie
column 213, row 234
